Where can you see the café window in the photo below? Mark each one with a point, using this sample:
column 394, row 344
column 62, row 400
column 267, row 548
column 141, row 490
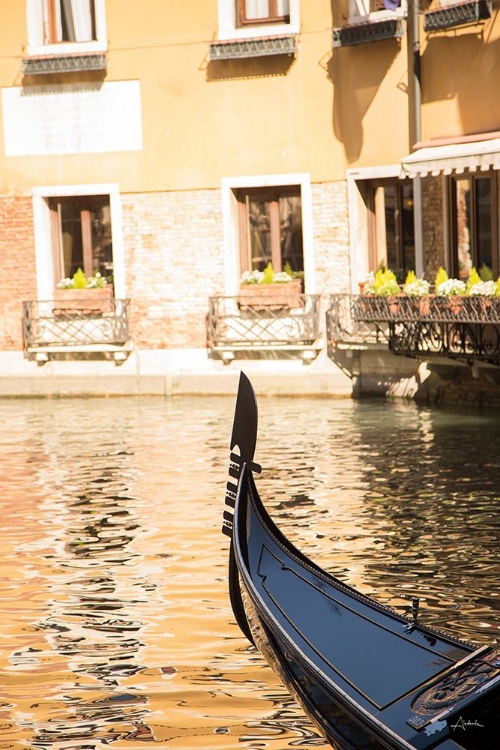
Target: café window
column 391, row 226
column 474, row 219
column 270, row 228
column 251, row 12
column 81, row 236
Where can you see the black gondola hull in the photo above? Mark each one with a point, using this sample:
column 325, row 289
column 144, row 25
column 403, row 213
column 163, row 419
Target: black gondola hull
column 368, row 677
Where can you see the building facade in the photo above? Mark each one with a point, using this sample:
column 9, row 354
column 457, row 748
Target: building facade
column 172, row 151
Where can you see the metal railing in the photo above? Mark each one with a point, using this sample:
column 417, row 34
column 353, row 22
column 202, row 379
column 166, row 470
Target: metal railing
column 232, row 326
column 48, row 328
column 466, row 328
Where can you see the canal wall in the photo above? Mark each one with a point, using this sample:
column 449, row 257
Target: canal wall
column 352, row 373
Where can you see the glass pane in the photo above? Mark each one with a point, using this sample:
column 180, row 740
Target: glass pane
column 407, row 228
column 102, row 248
column 72, row 244
column 463, row 226
column 385, row 214
column 290, row 208
column 484, row 208
column 255, row 9
column 259, row 230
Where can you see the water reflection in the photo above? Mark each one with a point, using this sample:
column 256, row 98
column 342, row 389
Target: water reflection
column 116, row 625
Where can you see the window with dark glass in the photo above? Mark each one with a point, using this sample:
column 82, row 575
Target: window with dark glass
column 271, row 229
column 69, row 21
column 81, row 236
column 474, row 219
column 392, row 236
column 262, row 11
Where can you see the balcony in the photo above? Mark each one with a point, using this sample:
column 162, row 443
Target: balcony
column 457, row 14
column 374, row 30
column 52, row 332
column 461, row 328
column 236, row 329
column 64, row 63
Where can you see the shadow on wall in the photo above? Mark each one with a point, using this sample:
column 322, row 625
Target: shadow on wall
column 355, row 86
column 447, row 73
column 250, row 67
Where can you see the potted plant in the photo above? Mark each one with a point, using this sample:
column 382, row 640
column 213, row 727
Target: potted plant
column 268, row 289
column 79, row 294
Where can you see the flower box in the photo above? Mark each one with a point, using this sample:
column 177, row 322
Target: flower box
column 90, row 301
column 276, row 296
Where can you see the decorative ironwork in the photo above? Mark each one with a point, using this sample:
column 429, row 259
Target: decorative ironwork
column 48, row 330
column 64, row 63
column 257, row 47
column 369, row 31
column 459, row 14
column 466, row 328
column 233, row 327
column 457, row 684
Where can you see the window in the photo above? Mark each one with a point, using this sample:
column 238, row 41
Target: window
column 81, row 235
column 474, row 219
column 365, row 7
column 270, row 228
column 391, row 231
column 247, row 19
column 69, row 25
column 262, row 11
column 68, row 21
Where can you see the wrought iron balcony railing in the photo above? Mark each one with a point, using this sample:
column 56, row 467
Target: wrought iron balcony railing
column 466, row 328
column 233, row 327
column 52, row 332
column 457, row 14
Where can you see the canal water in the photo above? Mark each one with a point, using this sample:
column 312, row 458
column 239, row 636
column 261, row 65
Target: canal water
column 115, row 623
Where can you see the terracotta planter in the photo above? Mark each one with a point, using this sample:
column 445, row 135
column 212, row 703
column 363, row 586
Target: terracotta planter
column 271, row 296
column 455, row 304
column 84, row 301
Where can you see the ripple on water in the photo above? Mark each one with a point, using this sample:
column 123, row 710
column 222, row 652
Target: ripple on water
column 116, row 625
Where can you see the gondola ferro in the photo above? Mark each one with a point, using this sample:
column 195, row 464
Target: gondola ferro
column 368, row 677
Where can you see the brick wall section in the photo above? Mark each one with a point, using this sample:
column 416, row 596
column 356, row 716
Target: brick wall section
column 173, row 262
column 17, row 268
column 331, row 237
column 432, row 226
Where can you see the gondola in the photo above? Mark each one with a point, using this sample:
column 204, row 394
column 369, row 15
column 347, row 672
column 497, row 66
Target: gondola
column 368, row 677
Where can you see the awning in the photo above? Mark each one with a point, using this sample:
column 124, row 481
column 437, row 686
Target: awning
column 457, row 157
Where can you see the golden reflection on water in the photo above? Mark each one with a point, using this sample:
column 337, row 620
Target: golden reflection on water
column 115, row 623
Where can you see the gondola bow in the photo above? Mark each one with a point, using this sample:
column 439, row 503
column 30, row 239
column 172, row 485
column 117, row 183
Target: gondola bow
column 368, row 677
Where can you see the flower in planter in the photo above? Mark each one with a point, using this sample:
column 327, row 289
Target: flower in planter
column 415, row 287
column 484, row 289
column 383, row 284
column 268, row 276
column 449, row 287
column 80, row 281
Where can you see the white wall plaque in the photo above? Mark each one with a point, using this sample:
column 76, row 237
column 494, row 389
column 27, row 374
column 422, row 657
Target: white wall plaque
column 72, row 119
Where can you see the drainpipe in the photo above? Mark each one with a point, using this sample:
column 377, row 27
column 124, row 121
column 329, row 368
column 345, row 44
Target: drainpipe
column 415, row 105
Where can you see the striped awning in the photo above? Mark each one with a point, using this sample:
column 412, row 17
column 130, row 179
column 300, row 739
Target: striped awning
column 454, row 158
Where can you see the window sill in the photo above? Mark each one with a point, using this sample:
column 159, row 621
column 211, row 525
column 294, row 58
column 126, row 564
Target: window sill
column 64, row 63
column 231, row 49
column 460, row 14
column 373, row 30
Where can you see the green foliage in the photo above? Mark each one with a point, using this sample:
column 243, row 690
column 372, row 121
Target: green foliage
column 411, row 277
column 441, row 277
column 497, row 290
column 268, row 274
column 473, row 279
column 485, row 273
column 79, row 280
column 385, row 283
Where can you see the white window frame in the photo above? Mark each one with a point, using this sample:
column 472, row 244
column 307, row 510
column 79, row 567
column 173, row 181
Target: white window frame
column 230, row 226
column 359, row 10
column 43, row 229
column 36, row 47
column 228, row 30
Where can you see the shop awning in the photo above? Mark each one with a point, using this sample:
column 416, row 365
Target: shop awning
column 453, row 158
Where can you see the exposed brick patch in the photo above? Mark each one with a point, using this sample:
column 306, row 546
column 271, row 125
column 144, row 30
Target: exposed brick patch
column 331, row 237
column 173, row 262
column 17, row 267
column 432, row 226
